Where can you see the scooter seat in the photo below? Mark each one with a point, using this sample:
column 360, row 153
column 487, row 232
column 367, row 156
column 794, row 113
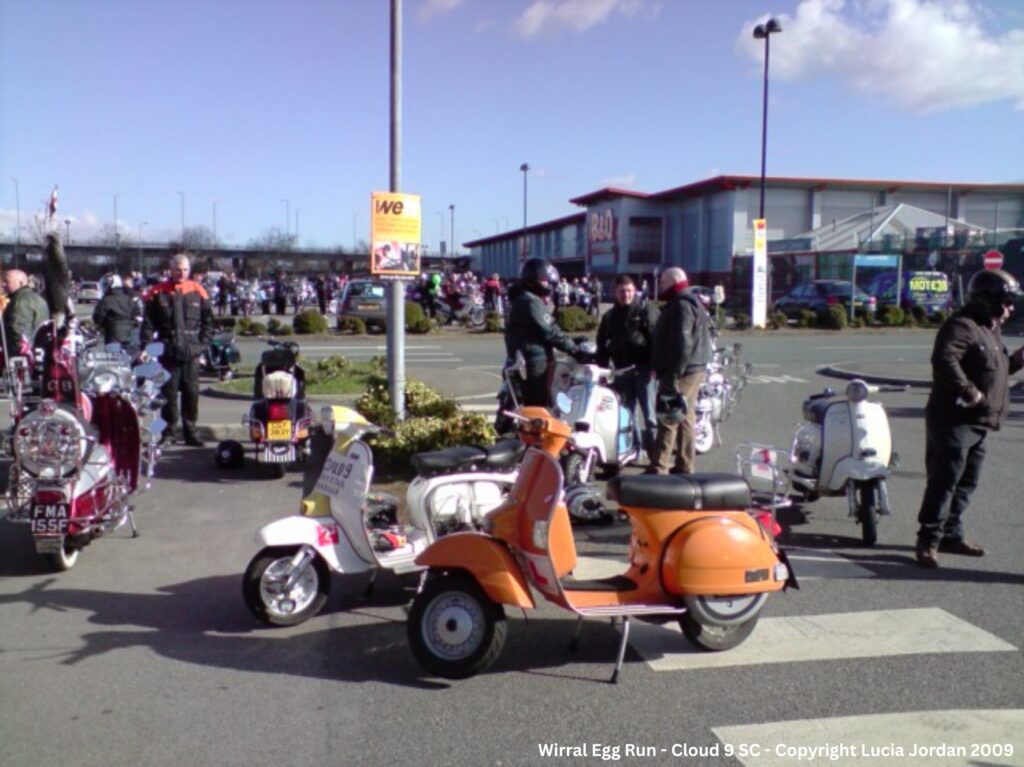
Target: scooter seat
column 451, row 459
column 814, row 409
column 504, row 454
column 674, row 492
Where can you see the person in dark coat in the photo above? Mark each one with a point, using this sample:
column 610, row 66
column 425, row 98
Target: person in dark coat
column 179, row 314
column 25, row 311
column 624, row 340
column 680, row 352
column 532, row 330
column 969, row 398
column 117, row 313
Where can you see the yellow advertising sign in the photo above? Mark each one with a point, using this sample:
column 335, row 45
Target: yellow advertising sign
column 395, row 234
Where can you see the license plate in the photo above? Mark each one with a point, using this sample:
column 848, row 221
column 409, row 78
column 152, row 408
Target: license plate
column 369, row 307
column 50, row 518
column 279, row 430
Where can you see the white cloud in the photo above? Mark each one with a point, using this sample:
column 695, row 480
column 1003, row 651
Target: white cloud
column 923, row 55
column 433, row 8
column 619, row 182
column 554, row 16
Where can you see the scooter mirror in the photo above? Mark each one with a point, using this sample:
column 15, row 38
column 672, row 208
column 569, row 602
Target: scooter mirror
column 563, row 403
column 155, row 349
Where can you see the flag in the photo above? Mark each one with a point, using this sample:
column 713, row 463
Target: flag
column 53, row 202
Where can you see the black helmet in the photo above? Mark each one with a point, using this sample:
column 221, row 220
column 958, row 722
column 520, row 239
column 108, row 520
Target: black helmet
column 538, row 276
column 230, row 454
column 670, row 408
column 993, row 288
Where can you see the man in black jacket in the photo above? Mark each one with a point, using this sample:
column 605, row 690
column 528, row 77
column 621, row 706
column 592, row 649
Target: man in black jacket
column 680, row 351
column 624, row 339
column 179, row 314
column 117, row 312
column 969, row 398
column 532, row 330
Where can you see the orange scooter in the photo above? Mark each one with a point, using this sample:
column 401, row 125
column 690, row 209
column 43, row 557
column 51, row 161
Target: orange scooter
column 696, row 555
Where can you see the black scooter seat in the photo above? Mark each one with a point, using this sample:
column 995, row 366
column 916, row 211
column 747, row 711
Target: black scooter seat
column 674, row 492
column 814, row 408
column 504, row 454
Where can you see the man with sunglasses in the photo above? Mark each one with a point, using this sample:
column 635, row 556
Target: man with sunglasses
column 969, row 398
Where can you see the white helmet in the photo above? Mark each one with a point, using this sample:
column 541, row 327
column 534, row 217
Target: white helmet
column 110, row 281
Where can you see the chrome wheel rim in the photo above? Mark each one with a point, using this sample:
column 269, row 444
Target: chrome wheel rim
column 453, row 626
column 281, row 603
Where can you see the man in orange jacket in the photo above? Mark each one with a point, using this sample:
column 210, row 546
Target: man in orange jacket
column 179, row 313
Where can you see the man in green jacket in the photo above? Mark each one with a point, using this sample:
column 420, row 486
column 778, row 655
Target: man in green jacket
column 26, row 310
column 532, row 330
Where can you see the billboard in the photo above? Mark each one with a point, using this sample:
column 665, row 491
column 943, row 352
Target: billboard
column 395, row 234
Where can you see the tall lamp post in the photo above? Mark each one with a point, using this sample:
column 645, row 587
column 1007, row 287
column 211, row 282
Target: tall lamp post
column 182, row 196
column 451, row 209
column 67, row 229
column 142, row 224
column 117, row 229
column 215, row 204
column 761, row 288
column 287, row 217
column 525, row 168
column 764, row 32
column 297, row 212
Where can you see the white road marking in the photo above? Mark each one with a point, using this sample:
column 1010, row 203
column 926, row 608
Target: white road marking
column 873, row 634
column 956, row 738
column 775, row 379
column 887, row 346
column 815, row 564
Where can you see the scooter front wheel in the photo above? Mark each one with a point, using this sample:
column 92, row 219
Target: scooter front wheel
column 263, row 587
column 704, row 438
column 867, row 511
column 454, row 629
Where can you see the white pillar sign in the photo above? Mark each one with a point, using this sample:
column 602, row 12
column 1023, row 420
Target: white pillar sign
column 759, row 289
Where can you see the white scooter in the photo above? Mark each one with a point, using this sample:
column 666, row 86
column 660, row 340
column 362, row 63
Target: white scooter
column 341, row 528
column 603, row 429
column 845, row 446
column 725, row 379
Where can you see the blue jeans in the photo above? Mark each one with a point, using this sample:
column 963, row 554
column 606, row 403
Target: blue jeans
column 636, row 387
column 953, row 458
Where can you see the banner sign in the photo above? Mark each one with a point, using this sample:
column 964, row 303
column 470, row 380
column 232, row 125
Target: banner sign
column 395, row 234
column 759, row 290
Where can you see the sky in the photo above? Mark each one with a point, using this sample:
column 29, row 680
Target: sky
column 272, row 114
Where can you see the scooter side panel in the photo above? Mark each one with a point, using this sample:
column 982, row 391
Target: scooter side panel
column 490, row 563
column 323, row 535
column 720, row 556
column 867, row 427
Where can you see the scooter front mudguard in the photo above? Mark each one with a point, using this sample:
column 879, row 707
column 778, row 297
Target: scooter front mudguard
column 856, row 470
column 487, row 560
column 721, row 555
column 585, row 441
column 324, row 535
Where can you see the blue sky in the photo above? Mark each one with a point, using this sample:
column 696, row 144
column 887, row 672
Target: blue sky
column 248, row 103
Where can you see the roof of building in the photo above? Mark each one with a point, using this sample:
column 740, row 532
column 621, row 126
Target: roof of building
column 574, row 218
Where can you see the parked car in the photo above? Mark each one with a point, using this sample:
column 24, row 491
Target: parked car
column 89, row 291
column 706, row 296
column 366, row 300
column 931, row 290
column 817, row 296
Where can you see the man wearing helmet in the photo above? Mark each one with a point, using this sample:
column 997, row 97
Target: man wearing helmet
column 969, row 398
column 532, row 330
column 680, row 351
column 117, row 312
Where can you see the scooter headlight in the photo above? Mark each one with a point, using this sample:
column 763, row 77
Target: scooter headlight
column 50, row 445
column 856, row 391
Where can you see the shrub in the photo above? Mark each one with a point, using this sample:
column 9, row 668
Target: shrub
column 391, row 452
column 354, row 325
column 277, row 328
column 909, row 320
column 416, row 321
column 807, row 319
column 224, row 323
column 493, row 323
column 248, row 327
column 939, row 317
column 890, row 316
column 309, row 321
column 858, row 322
column 574, row 319
column 741, row 321
column 834, row 318
column 919, row 314
column 420, row 401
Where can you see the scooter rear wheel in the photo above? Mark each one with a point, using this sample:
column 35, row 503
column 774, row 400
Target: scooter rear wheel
column 64, row 559
column 454, row 629
column 261, row 588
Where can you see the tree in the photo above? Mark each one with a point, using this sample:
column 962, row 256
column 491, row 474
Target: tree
column 198, row 238
column 273, row 240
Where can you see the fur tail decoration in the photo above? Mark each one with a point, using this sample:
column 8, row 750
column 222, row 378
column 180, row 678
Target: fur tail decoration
column 58, row 281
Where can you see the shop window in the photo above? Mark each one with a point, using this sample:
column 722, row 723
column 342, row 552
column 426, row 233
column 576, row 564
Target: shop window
column 645, row 238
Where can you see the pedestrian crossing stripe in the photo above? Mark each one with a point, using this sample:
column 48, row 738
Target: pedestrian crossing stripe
column 835, row 636
column 949, row 738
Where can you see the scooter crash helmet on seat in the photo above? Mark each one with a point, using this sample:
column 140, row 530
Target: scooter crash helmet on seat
column 993, row 289
column 538, row 276
column 110, row 281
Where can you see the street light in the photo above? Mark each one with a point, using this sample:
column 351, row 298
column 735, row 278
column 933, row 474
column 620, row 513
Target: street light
column 182, row 196
column 144, row 223
column 764, row 32
column 287, row 216
column 67, row 228
column 451, row 209
column 525, row 168
column 215, row 204
column 297, row 212
column 117, row 232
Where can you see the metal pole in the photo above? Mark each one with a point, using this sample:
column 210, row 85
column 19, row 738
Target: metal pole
column 182, row 196
column 396, row 289
column 17, row 230
column 215, row 203
column 117, row 232
column 297, row 212
column 287, row 217
column 67, row 229
column 764, row 126
column 525, row 168
column 140, row 245
column 451, row 210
